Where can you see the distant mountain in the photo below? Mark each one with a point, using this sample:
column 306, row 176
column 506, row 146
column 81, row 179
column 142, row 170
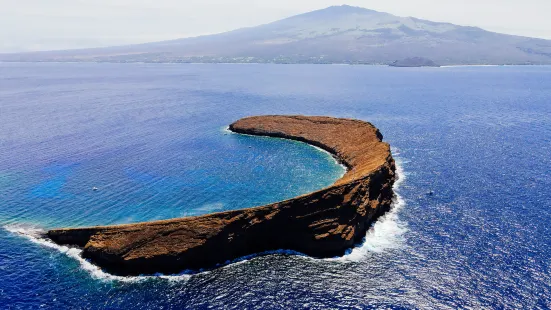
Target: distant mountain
column 338, row 34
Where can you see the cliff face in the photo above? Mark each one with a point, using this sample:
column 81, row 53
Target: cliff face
column 322, row 224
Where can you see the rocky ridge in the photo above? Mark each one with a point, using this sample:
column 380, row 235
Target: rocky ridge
column 324, row 223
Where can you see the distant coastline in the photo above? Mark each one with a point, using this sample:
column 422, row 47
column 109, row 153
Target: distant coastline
column 259, row 63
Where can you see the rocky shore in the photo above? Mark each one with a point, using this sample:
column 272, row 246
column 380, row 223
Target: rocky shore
column 321, row 224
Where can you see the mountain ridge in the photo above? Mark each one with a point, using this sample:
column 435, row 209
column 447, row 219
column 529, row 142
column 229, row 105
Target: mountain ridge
column 337, row 34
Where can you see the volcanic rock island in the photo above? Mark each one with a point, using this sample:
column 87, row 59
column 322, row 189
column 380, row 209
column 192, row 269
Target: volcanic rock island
column 325, row 223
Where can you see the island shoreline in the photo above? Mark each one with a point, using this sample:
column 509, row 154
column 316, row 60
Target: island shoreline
column 322, row 224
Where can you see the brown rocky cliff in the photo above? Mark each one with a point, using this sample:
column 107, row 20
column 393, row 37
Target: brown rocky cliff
column 322, row 224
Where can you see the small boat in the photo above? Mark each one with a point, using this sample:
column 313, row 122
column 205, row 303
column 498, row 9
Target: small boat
column 95, row 189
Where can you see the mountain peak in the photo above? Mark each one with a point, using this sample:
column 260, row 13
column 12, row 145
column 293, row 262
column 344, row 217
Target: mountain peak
column 336, row 34
column 338, row 11
column 347, row 9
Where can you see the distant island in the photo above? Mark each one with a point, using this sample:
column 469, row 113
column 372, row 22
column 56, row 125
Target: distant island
column 322, row 224
column 335, row 35
column 414, row 62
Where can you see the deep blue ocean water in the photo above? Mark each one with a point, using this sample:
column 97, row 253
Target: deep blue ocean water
column 152, row 139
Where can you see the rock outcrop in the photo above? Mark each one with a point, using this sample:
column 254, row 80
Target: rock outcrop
column 414, row 62
column 321, row 224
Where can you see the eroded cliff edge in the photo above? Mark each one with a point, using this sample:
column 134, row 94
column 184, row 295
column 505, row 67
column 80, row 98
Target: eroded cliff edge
column 321, row 224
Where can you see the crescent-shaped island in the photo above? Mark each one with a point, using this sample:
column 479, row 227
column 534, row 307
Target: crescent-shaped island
column 325, row 223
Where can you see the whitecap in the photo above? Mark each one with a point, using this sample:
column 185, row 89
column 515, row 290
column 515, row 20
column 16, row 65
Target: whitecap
column 37, row 235
column 387, row 232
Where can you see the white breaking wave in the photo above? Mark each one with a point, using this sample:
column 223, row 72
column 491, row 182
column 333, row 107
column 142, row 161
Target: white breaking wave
column 387, row 232
column 36, row 235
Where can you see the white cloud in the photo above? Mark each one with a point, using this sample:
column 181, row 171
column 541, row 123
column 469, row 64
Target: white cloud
column 60, row 24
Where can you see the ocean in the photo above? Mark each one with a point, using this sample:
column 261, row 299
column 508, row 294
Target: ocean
column 97, row 144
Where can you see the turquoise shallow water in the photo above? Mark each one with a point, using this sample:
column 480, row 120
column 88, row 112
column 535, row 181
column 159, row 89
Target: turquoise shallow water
column 151, row 138
column 116, row 189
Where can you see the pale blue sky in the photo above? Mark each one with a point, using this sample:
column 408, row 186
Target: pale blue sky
column 60, row 24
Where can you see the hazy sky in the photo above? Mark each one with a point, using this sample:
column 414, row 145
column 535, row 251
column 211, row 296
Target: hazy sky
column 59, row 24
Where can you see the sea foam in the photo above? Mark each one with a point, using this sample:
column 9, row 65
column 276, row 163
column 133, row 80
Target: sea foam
column 36, row 235
column 387, row 233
